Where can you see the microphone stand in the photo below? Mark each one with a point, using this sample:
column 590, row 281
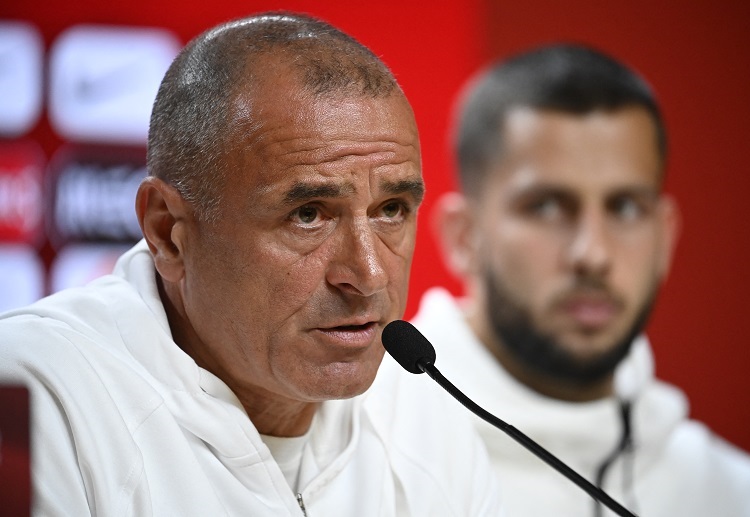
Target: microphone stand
column 429, row 368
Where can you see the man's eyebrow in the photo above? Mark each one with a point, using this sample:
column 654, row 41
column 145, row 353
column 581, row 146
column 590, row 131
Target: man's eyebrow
column 301, row 192
column 638, row 190
column 415, row 188
column 537, row 190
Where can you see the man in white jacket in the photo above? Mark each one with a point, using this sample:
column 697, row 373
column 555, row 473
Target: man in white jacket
column 228, row 365
column 562, row 234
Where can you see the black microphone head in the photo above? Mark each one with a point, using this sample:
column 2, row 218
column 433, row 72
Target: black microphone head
column 407, row 345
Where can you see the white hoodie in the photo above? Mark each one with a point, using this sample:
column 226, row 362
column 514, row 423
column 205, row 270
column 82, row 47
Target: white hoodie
column 126, row 424
column 675, row 466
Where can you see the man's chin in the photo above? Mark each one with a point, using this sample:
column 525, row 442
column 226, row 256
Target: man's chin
column 586, row 349
column 343, row 381
column 588, row 360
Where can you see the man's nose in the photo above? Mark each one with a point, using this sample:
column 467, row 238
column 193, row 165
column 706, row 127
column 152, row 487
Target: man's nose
column 590, row 251
column 357, row 265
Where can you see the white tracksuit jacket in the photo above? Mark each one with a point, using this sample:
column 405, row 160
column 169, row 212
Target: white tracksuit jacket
column 126, row 424
column 675, row 468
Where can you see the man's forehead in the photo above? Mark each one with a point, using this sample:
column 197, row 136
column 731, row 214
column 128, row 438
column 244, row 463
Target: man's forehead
column 599, row 150
column 341, row 121
column 274, row 93
column 292, row 144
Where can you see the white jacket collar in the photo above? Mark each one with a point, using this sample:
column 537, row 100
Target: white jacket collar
column 572, row 430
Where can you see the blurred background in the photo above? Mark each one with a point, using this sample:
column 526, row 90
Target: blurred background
column 77, row 80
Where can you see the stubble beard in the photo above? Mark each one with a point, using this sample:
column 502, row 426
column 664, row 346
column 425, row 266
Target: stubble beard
column 513, row 328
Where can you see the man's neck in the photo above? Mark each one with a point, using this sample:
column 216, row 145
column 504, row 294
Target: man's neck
column 272, row 417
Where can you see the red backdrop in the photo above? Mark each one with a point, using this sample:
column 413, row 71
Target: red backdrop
column 694, row 53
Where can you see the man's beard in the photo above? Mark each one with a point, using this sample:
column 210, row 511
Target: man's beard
column 541, row 353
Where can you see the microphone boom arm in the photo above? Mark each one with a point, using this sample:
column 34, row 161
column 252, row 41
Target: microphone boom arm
column 429, row 368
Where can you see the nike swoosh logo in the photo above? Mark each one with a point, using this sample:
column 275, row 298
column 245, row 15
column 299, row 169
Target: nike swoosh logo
column 103, row 85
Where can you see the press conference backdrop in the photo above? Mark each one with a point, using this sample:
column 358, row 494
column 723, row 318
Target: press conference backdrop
column 77, row 80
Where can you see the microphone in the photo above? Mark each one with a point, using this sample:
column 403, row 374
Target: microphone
column 417, row 355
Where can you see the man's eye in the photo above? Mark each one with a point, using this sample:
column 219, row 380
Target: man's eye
column 393, row 210
column 307, row 214
column 547, row 208
column 626, row 209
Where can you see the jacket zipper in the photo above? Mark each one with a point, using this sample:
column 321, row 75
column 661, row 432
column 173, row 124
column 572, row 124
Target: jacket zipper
column 301, row 504
column 625, row 449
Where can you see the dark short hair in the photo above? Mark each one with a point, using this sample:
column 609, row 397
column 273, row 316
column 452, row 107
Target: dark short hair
column 190, row 120
column 563, row 77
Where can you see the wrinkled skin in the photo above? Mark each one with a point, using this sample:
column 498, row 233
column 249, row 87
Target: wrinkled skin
column 285, row 297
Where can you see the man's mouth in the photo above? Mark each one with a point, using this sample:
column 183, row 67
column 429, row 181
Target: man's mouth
column 355, row 327
column 351, row 335
column 592, row 309
column 591, row 313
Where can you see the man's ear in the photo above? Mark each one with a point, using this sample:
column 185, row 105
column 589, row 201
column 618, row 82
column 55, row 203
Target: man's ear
column 670, row 221
column 163, row 215
column 453, row 228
